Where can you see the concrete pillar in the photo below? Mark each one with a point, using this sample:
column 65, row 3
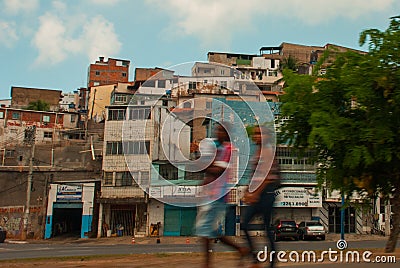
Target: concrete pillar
column 100, row 225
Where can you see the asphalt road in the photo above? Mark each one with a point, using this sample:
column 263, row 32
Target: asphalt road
column 9, row 251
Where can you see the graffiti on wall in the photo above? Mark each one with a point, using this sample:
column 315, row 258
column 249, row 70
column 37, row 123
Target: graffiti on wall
column 11, row 218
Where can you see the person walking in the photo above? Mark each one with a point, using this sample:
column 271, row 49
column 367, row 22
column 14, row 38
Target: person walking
column 215, row 188
column 261, row 200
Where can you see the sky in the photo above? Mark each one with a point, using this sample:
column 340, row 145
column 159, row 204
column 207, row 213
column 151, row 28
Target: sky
column 50, row 44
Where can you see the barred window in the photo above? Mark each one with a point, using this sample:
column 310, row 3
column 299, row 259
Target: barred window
column 123, row 178
column 139, row 113
column 136, row 147
column 114, row 148
column 108, row 178
column 116, row 114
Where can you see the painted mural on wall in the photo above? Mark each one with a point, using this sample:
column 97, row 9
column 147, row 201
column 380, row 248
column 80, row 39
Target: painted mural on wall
column 11, row 219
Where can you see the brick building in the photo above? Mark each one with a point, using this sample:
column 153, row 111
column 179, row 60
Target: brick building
column 108, row 72
column 21, row 97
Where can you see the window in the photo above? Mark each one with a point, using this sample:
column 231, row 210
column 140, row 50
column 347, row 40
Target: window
column 48, row 134
column 120, row 98
column 192, row 85
column 205, row 81
column 1, row 115
column 123, row 178
column 123, row 74
column 117, row 114
column 73, row 118
column 168, row 172
column 139, row 113
column 136, row 147
column 149, row 83
column 16, row 115
column 97, row 73
column 108, row 178
column 187, row 104
column 96, row 83
column 161, row 83
column 46, row 118
column 208, row 105
column 114, row 148
column 10, row 153
column 207, row 71
column 272, row 63
column 118, row 63
column 224, row 84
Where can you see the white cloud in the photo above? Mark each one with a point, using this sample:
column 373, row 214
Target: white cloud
column 15, row 6
column 50, row 40
column 105, row 2
column 8, row 34
column 58, row 37
column 100, row 38
column 216, row 21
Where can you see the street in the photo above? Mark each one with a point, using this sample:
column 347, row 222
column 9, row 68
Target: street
column 89, row 254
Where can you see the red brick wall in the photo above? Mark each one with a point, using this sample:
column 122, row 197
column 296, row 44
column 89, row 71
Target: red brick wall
column 110, row 73
column 30, row 118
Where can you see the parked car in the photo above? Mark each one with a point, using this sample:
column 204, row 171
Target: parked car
column 311, row 229
column 2, row 234
column 285, row 229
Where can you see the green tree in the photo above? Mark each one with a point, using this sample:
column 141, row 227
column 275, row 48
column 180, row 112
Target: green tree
column 351, row 118
column 38, row 105
column 289, row 62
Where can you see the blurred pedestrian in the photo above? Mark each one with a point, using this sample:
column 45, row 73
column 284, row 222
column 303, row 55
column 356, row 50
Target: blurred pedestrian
column 215, row 186
column 261, row 200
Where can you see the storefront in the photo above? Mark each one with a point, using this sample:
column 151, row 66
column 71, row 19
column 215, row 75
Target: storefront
column 70, row 210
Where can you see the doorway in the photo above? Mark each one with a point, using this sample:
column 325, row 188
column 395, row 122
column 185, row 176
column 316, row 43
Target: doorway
column 67, row 220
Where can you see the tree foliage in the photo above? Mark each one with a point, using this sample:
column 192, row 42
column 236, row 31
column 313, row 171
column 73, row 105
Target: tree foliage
column 38, row 105
column 351, row 117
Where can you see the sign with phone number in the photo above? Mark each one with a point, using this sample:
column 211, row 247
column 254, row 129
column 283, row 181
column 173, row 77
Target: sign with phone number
column 298, row 197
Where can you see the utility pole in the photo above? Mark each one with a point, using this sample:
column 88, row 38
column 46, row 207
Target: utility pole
column 30, row 135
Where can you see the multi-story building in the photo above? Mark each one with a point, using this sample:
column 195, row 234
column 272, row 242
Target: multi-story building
column 69, row 101
column 102, row 96
column 131, row 143
column 45, row 147
column 108, row 72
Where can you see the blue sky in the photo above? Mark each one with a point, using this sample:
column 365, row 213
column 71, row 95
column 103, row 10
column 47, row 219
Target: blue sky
column 50, row 44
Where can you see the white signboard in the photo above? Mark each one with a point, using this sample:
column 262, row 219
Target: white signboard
column 172, row 191
column 155, row 192
column 297, row 197
column 69, row 192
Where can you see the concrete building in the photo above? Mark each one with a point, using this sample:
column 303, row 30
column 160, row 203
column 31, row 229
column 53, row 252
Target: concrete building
column 253, row 72
column 69, row 101
column 131, row 143
column 102, row 96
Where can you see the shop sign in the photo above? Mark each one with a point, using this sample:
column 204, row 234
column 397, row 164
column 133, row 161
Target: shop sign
column 297, row 197
column 69, row 193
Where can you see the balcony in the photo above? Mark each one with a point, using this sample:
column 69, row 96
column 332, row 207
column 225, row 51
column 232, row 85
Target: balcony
column 122, row 192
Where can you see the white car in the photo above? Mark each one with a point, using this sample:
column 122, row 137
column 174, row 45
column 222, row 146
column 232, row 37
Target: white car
column 311, row 229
